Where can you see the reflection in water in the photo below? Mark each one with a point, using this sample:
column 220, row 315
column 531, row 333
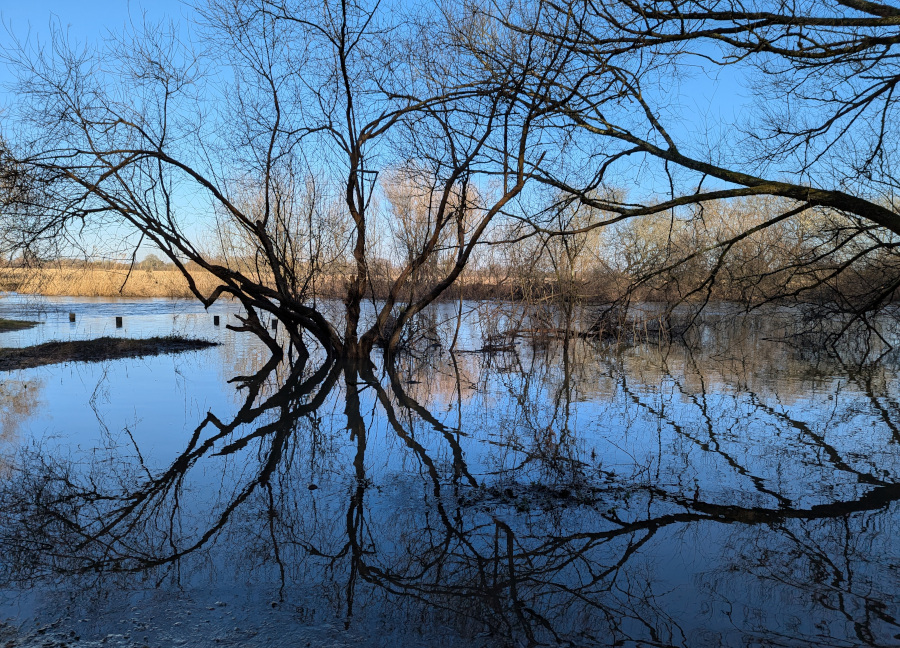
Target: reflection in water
column 18, row 401
column 576, row 494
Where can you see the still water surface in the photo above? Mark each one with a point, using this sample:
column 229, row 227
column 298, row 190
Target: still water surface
column 735, row 491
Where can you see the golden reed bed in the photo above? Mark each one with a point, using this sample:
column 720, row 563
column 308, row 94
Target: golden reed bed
column 98, row 282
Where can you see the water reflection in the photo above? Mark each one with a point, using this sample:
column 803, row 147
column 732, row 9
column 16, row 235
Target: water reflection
column 19, row 399
column 577, row 494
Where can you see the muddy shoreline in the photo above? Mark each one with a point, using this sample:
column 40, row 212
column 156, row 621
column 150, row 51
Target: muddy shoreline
column 97, row 350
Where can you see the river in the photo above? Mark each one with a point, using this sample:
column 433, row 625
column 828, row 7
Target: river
column 733, row 491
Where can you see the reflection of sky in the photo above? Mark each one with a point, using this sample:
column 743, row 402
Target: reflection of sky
column 617, row 423
column 161, row 394
column 623, row 409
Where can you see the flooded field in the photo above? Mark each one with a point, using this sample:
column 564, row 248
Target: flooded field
column 735, row 491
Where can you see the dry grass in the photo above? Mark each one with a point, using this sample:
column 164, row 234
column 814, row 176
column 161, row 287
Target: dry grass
column 101, row 282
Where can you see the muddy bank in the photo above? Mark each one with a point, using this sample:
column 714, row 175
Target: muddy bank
column 15, row 325
column 105, row 348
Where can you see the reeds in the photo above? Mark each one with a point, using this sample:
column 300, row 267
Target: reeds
column 103, row 282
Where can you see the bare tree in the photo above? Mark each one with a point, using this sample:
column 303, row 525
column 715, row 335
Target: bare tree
column 822, row 135
column 279, row 128
column 276, row 131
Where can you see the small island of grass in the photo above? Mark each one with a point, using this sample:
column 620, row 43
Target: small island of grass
column 105, row 348
column 15, row 325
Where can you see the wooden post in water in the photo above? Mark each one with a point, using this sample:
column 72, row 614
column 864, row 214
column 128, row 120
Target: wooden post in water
column 118, row 322
column 274, row 324
column 215, row 320
column 71, row 317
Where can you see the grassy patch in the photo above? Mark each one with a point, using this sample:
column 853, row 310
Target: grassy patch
column 15, row 325
column 105, row 348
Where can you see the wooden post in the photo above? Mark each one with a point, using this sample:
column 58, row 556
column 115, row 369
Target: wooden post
column 215, row 320
column 274, row 324
column 71, row 317
column 118, row 322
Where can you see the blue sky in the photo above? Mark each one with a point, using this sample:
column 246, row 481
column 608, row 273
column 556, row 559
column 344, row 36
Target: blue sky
column 85, row 20
column 703, row 106
column 88, row 22
column 92, row 19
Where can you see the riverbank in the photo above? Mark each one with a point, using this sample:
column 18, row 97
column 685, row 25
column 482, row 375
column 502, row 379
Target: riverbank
column 97, row 350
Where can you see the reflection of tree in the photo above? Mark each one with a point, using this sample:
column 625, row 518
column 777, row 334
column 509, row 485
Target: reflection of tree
column 131, row 520
column 394, row 509
column 18, row 401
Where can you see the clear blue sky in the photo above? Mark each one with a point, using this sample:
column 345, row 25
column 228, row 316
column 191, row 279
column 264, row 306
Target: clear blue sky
column 705, row 102
column 88, row 19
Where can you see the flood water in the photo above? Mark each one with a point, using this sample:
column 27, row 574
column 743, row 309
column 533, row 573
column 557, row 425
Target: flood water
column 735, row 491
